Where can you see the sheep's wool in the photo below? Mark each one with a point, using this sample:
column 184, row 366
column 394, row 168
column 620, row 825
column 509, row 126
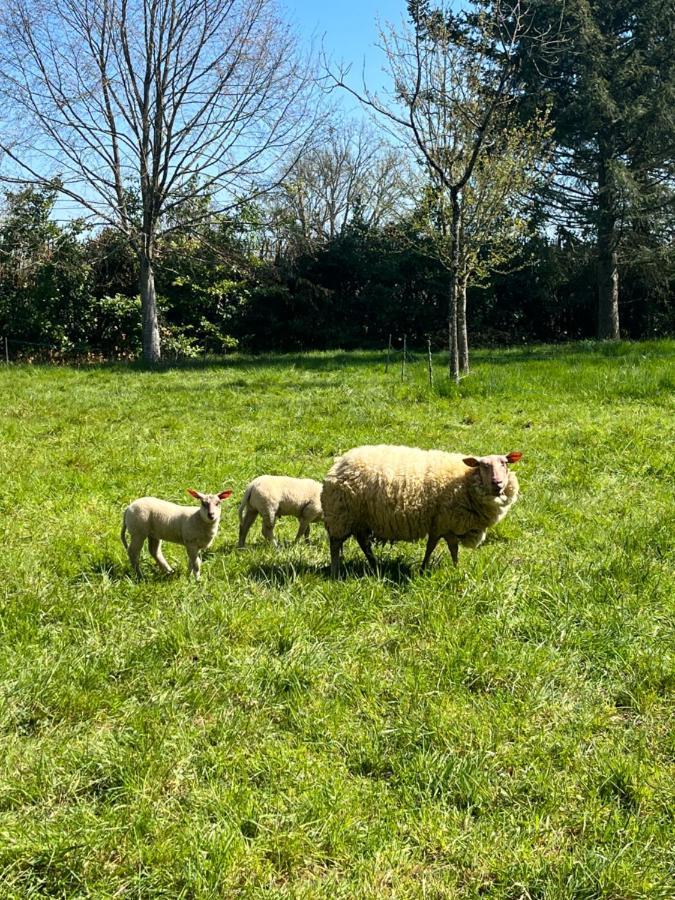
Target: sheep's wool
column 405, row 494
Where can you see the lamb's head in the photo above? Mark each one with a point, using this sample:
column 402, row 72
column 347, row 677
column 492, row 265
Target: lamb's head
column 493, row 471
column 210, row 504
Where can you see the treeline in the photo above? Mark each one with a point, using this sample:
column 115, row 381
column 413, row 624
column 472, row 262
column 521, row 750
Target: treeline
column 64, row 291
column 517, row 182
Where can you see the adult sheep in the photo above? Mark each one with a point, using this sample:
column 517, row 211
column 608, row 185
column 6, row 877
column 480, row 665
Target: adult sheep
column 404, row 494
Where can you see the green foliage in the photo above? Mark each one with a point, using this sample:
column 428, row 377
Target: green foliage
column 502, row 730
column 611, row 89
column 44, row 272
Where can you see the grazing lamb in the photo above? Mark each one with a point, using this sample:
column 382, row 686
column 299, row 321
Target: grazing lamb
column 273, row 496
column 404, row 494
column 158, row 520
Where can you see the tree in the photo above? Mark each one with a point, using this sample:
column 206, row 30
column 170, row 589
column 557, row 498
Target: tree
column 353, row 172
column 612, row 95
column 139, row 106
column 44, row 272
column 455, row 89
column 495, row 213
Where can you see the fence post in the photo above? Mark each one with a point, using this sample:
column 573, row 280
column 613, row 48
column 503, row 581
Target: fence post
column 6, row 351
column 405, row 344
column 386, row 368
column 431, row 365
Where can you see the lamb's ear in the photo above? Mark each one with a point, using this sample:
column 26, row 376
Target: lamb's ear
column 514, row 456
column 471, row 461
column 223, row 495
column 195, row 494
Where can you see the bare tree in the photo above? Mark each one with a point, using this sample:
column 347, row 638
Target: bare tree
column 454, row 85
column 495, row 208
column 353, row 171
column 134, row 108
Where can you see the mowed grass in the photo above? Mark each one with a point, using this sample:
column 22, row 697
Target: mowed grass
column 502, row 730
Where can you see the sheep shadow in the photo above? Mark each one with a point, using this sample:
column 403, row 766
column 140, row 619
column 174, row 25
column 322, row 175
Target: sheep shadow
column 118, row 571
column 106, row 566
column 283, row 572
column 394, row 570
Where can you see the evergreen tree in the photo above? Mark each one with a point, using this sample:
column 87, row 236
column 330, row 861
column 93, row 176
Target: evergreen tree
column 612, row 94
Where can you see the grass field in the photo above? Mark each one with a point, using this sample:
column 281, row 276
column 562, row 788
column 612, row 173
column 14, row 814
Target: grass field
column 499, row 730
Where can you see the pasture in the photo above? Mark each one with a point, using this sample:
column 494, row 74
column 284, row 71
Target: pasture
column 503, row 729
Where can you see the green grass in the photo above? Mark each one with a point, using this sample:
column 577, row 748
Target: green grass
column 500, row 730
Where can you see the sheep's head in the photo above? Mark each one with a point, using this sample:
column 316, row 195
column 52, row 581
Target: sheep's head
column 493, row 471
column 210, row 504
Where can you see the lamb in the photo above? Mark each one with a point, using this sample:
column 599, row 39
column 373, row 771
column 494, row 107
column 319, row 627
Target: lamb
column 404, row 494
column 273, row 496
column 157, row 520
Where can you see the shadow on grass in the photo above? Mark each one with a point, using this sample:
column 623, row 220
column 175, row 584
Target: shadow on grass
column 567, row 352
column 117, row 571
column 284, row 572
column 312, row 360
column 108, row 567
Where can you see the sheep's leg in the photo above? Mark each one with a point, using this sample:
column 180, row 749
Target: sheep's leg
column 335, row 551
column 303, row 529
column 269, row 519
column 453, row 547
column 155, row 547
column 134, row 552
column 432, row 541
column 245, row 525
column 195, row 560
column 363, row 540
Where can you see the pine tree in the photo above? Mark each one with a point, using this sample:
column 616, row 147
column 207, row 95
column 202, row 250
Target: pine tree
column 611, row 88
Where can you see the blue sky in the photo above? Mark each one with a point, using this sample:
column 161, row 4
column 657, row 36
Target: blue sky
column 348, row 30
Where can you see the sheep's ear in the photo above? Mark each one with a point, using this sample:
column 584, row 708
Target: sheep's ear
column 471, row 461
column 223, row 495
column 195, row 494
column 514, row 456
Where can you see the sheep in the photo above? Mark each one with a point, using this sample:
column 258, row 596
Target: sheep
column 273, row 496
column 157, row 520
column 404, row 494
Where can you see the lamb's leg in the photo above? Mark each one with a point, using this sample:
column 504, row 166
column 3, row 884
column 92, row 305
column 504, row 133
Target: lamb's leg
column 364, row 542
column 134, row 552
column 453, row 547
column 195, row 560
column 303, row 529
column 269, row 518
column 155, row 547
column 335, row 551
column 432, row 540
column 245, row 524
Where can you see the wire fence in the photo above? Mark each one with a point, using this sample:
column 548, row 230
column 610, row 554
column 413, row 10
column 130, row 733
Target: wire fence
column 26, row 351
column 407, row 356
column 400, row 355
column 20, row 350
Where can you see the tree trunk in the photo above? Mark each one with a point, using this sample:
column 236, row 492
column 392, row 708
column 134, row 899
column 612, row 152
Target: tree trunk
column 608, row 269
column 453, row 317
column 462, row 335
column 150, row 326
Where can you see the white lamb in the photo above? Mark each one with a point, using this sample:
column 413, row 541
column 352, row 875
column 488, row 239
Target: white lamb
column 404, row 494
column 273, row 496
column 157, row 520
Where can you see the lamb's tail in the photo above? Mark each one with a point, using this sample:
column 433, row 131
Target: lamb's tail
column 123, row 535
column 244, row 502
